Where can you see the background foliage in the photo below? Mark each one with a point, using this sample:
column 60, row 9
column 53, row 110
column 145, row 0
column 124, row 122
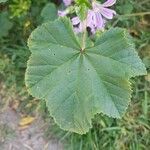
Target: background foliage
column 18, row 18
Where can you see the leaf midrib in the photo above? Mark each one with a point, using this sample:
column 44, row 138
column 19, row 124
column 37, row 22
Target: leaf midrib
column 70, row 59
column 75, row 40
column 111, row 59
column 104, row 86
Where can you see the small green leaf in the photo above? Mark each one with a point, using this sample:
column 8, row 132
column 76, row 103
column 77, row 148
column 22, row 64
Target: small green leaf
column 5, row 24
column 2, row 65
column 81, row 11
column 146, row 61
column 81, row 2
column 77, row 85
column 127, row 8
column 49, row 12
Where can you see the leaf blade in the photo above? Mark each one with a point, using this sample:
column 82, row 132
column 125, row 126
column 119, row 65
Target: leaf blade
column 75, row 85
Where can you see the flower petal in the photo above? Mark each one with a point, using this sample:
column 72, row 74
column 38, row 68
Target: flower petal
column 67, row 2
column 81, row 27
column 75, row 20
column 90, row 18
column 109, row 3
column 99, row 23
column 62, row 13
column 76, row 30
column 107, row 13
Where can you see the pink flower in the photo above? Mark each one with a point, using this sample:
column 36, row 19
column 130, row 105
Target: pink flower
column 67, row 2
column 62, row 13
column 102, row 9
column 94, row 21
column 100, row 13
column 78, row 25
column 96, row 17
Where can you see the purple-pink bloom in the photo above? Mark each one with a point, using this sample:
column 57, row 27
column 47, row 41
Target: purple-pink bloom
column 96, row 17
column 94, row 21
column 67, row 2
column 101, row 8
column 78, row 25
column 62, row 13
column 100, row 12
column 88, row 22
column 109, row 3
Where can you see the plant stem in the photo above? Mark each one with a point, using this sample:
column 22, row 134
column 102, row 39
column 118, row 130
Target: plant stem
column 135, row 14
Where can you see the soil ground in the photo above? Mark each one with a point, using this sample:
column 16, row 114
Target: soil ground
column 30, row 137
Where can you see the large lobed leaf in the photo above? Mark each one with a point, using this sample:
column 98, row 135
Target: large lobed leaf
column 76, row 85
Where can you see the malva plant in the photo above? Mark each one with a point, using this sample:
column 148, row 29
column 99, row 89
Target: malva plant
column 79, row 68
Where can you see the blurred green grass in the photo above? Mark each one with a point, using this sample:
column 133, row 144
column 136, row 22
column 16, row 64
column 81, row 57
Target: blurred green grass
column 130, row 133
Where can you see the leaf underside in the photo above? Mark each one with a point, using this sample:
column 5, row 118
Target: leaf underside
column 76, row 85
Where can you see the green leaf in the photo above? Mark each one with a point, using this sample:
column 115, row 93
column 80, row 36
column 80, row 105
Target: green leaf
column 3, row 1
column 81, row 11
column 5, row 24
column 83, row 2
column 76, row 85
column 49, row 12
column 2, row 65
column 127, row 8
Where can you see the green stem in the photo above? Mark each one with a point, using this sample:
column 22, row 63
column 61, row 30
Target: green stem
column 135, row 14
